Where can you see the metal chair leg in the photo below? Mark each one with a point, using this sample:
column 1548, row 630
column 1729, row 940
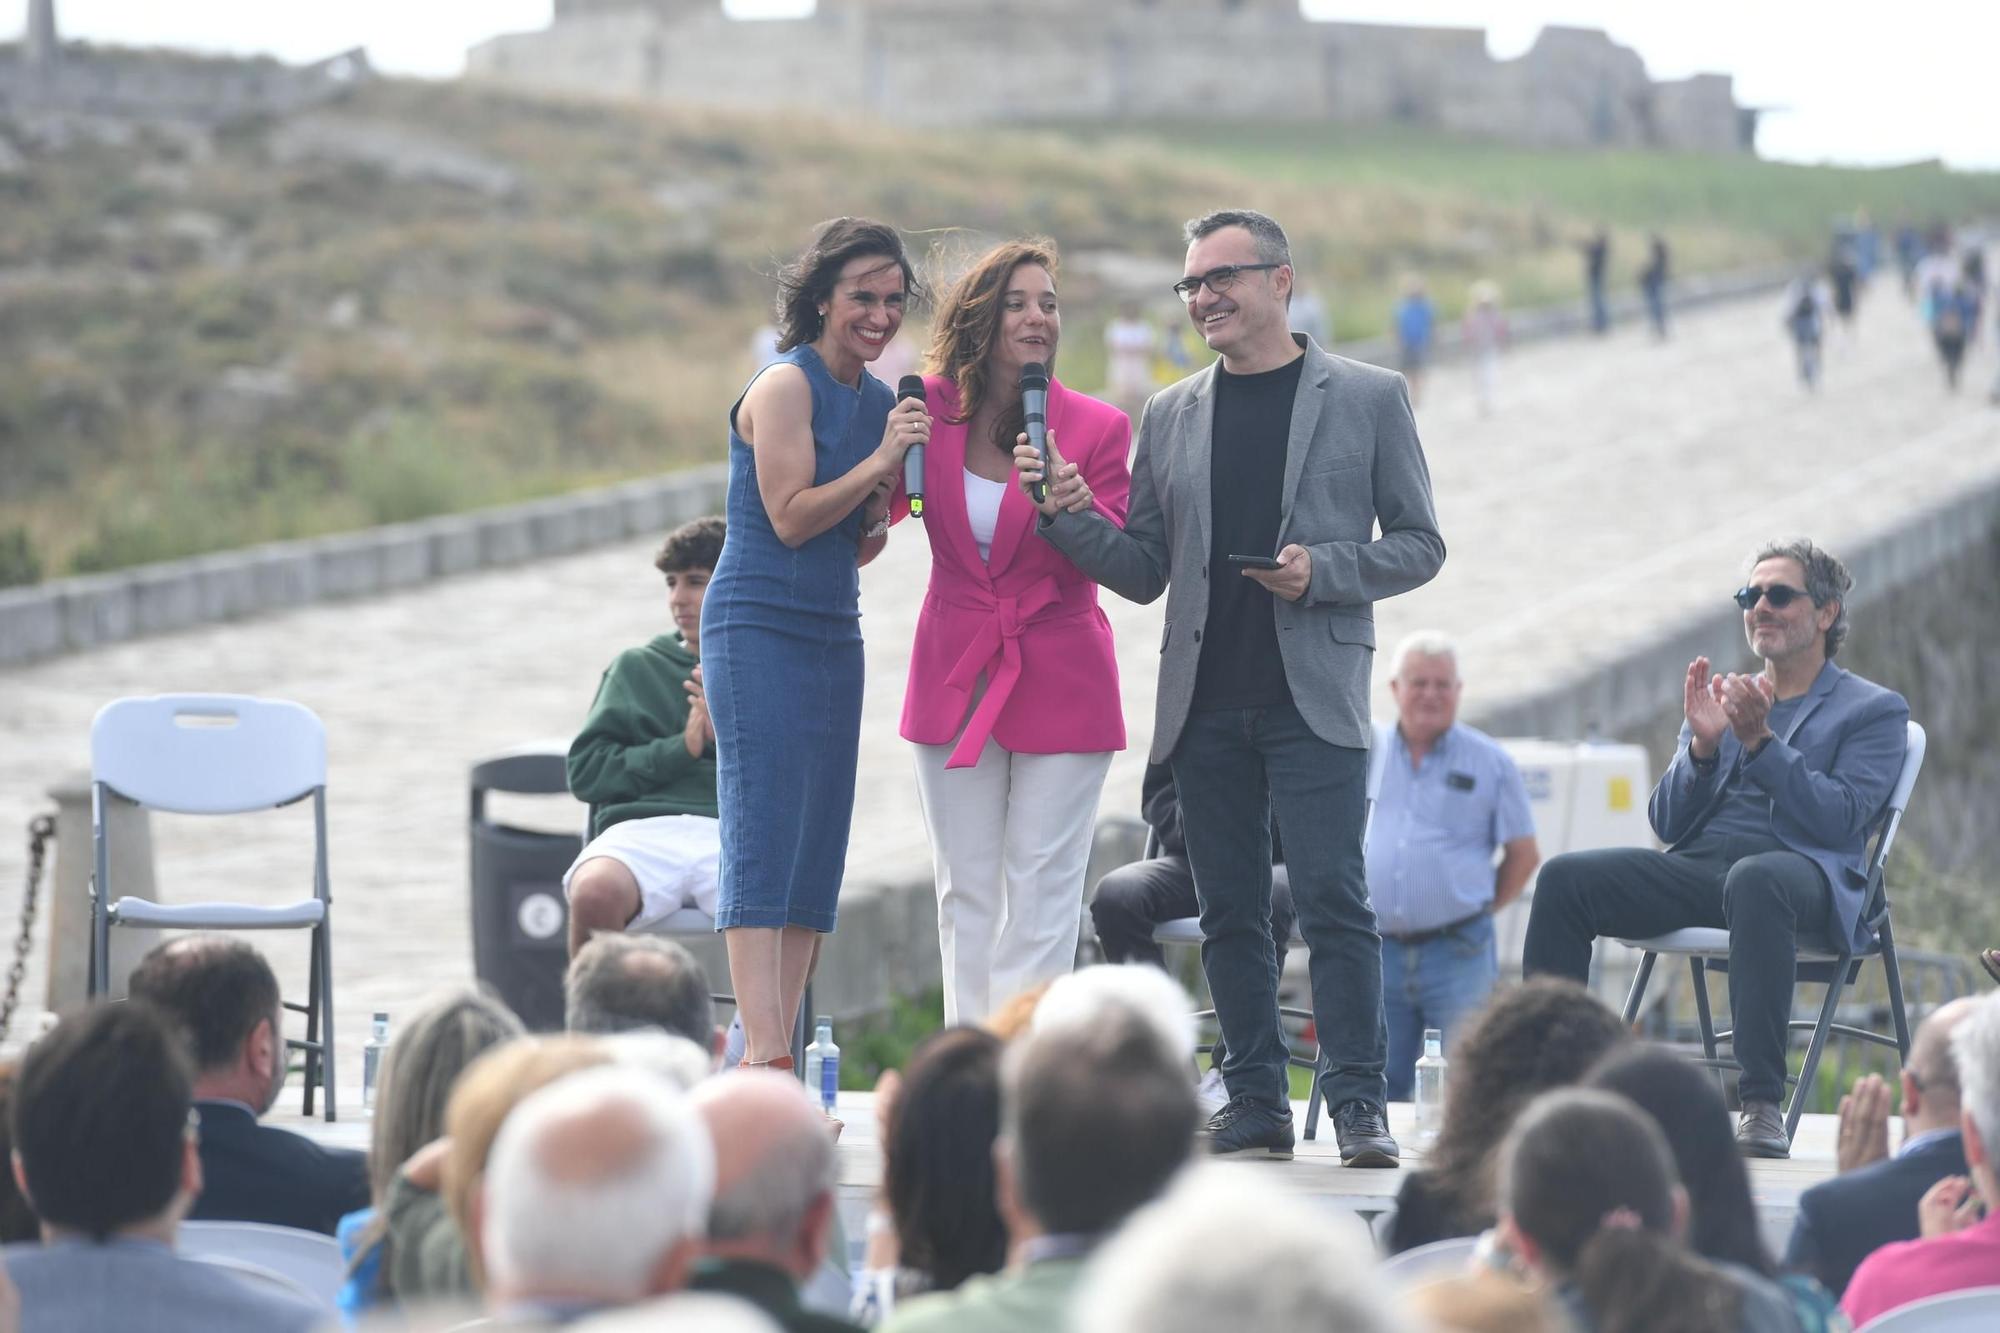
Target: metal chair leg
column 1638, row 991
column 1803, row 1088
column 328, row 1052
column 1698, row 974
column 312, row 1046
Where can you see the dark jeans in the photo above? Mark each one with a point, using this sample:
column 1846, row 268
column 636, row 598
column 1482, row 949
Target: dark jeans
column 1234, row 768
column 1134, row 898
column 1767, row 897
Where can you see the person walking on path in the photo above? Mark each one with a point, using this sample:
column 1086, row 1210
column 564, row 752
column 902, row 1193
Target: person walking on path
column 1484, row 330
column 816, row 444
column 1653, row 283
column 1596, row 259
column 1257, row 488
column 1805, row 323
column 1416, row 330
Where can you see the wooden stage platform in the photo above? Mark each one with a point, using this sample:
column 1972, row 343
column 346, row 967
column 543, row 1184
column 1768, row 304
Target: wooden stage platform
column 1315, row 1172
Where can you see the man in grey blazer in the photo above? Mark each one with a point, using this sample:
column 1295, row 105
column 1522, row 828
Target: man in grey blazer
column 1291, row 457
column 104, row 1143
column 1766, row 810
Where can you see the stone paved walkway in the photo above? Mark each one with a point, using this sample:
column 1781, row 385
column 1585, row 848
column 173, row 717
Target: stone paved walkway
column 1616, row 491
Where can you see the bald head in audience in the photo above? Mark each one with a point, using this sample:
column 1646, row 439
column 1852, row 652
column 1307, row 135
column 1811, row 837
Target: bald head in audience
column 595, row 1195
column 774, row 1172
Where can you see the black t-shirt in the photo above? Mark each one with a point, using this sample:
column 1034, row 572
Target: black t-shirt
column 1240, row 666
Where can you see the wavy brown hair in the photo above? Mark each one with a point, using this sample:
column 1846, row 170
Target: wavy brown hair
column 968, row 325
column 810, row 279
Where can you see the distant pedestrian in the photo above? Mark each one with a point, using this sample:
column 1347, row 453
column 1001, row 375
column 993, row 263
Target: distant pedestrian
column 1596, row 259
column 1950, row 304
column 1909, row 253
column 1310, row 317
column 1805, row 321
column 1867, row 245
column 1129, row 343
column 1485, row 332
column 1416, row 329
column 1653, row 282
column 1843, row 275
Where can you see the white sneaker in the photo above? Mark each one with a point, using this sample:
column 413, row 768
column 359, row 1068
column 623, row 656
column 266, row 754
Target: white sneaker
column 1209, row 1094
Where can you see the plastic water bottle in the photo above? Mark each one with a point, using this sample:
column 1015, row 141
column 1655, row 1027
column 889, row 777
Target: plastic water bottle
column 823, row 1065
column 371, row 1060
column 1430, row 1088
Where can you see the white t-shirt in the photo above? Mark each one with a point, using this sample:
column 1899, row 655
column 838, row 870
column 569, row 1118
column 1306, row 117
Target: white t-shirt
column 1128, row 346
column 982, row 509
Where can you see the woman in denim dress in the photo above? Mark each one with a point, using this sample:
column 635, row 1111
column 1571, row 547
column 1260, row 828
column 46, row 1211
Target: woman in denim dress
column 816, row 445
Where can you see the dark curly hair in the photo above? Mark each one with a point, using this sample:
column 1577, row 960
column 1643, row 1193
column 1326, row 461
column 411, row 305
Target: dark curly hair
column 692, row 546
column 1545, row 1033
column 806, row 283
column 1827, row 580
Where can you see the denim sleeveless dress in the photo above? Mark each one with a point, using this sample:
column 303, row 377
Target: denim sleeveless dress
column 781, row 664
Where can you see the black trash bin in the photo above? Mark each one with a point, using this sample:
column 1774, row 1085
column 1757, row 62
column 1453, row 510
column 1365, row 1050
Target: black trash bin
column 520, row 920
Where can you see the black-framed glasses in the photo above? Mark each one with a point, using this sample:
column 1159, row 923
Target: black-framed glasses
column 1219, row 280
column 1778, row 595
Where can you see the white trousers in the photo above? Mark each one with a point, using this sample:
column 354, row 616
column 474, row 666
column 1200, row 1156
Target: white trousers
column 1010, row 842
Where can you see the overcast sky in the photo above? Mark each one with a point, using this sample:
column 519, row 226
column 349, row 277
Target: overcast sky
column 1895, row 83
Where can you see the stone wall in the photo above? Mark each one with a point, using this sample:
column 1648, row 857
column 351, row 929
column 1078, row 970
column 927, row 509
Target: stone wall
column 937, row 62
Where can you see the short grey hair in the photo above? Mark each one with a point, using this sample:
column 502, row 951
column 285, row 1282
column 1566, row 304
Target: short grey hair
column 1975, row 1049
column 596, row 1228
column 1423, row 643
column 1272, row 247
column 1080, row 1000
column 627, row 983
column 1827, row 580
column 1227, row 1248
column 772, row 1199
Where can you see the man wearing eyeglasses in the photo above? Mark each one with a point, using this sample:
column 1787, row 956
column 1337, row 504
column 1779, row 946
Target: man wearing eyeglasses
column 1766, row 810
column 1256, row 491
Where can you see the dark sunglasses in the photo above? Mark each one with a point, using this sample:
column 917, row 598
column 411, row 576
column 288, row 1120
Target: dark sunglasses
column 1778, row 595
column 1219, row 280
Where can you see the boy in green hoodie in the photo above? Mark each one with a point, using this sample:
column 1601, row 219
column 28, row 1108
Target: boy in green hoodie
column 645, row 762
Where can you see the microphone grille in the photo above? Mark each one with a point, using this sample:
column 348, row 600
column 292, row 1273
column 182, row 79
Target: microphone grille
column 910, row 386
column 1034, row 375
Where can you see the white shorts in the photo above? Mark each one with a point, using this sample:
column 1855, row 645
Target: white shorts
column 674, row 858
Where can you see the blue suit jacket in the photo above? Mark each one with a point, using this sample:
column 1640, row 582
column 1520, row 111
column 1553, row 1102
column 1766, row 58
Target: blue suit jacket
column 1828, row 785
column 76, row 1286
column 1844, row 1220
column 256, row 1173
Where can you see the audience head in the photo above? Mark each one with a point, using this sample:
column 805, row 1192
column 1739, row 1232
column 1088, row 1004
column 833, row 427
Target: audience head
column 774, row 1171
column 224, row 997
column 104, row 1138
column 1094, row 1122
column 1685, row 1105
column 1081, row 999
column 688, row 559
column 683, row 1312
column 17, row 1219
column 937, row 1159
column 1484, row 1302
column 596, row 1191
column 1424, row 682
column 490, row 1088
column 1932, row 1098
column 1588, row 1196
column 1975, row 1048
column 1229, row 1249
column 1817, row 620
column 1545, row 1033
column 422, row 1065
column 622, row 983
column 676, row 1059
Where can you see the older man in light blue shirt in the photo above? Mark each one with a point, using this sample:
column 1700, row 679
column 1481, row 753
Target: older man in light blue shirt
column 1447, row 798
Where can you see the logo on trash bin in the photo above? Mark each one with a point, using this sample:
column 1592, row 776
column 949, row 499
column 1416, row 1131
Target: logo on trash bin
column 540, row 916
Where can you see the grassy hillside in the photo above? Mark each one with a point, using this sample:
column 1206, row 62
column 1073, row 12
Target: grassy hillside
column 300, row 328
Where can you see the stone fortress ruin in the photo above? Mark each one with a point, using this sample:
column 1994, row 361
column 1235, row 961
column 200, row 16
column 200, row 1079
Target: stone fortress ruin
column 955, row 62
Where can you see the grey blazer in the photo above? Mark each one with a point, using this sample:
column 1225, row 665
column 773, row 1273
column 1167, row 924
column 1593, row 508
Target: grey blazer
column 74, row 1286
column 1352, row 461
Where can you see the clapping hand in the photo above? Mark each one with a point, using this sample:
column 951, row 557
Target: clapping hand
column 699, row 733
column 1863, row 1136
column 1705, row 716
column 1948, row 1207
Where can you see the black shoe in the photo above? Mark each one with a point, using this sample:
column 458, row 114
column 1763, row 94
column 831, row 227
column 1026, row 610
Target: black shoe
column 1364, row 1136
column 1761, row 1131
column 1246, row 1127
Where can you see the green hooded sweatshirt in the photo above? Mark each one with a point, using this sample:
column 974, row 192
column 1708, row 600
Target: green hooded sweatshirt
column 630, row 761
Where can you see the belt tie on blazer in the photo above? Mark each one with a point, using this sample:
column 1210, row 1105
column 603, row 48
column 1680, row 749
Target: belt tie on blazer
column 996, row 650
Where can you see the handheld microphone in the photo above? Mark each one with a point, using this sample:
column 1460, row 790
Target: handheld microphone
column 912, row 386
column 1035, row 408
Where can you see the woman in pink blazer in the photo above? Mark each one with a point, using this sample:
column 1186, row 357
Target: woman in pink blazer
column 1013, row 700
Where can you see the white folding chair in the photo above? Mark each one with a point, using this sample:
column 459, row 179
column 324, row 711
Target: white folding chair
column 1975, row 1310
column 1427, row 1263
column 255, row 1275
column 217, row 754
column 1707, row 950
column 306, row 1260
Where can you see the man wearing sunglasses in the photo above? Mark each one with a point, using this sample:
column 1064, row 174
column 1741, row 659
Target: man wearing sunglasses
column 1766, row 810
column 1256, row 491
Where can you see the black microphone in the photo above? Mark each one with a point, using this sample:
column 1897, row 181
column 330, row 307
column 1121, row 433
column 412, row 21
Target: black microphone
column 1035, row 408
column 912, row 386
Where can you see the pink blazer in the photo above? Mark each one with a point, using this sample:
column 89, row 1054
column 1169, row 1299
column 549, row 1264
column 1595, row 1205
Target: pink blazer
column 1027, row 617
